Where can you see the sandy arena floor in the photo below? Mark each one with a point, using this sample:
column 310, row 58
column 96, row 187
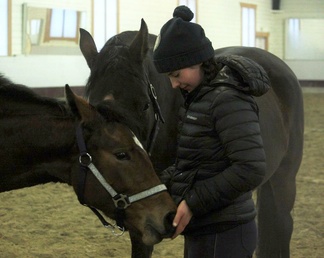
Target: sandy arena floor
column 47, row 221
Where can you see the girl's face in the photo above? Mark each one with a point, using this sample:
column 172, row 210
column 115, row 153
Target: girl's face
column 187, row 78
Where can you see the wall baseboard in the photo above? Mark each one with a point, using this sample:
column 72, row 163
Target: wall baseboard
column 58, row 92
column 310, row 83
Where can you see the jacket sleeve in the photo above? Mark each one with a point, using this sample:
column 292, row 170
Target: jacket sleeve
column 237, row 125
column 166, row 175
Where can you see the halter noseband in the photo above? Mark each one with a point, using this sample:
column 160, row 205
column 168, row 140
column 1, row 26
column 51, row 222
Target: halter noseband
column 121, row 201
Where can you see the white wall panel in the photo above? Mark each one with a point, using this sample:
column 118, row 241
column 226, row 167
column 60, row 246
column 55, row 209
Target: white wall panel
column 221, row 20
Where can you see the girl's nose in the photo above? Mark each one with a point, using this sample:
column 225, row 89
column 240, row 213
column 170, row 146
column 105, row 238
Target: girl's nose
column 174, row 82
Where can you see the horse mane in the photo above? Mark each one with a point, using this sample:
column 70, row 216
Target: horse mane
column 21, row 94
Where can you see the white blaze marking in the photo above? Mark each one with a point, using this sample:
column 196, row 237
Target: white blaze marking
column 109, row 97
column 137, row 141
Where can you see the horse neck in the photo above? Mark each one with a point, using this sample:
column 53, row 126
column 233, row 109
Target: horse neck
column 39, row 150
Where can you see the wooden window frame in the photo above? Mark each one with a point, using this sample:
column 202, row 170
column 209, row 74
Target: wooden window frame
column 265, row 37
column 8, row 36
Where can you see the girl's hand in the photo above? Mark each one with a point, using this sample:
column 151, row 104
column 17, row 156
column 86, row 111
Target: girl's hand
column 182, row 218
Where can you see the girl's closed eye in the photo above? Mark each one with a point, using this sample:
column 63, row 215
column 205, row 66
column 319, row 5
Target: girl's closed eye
column 174, row 74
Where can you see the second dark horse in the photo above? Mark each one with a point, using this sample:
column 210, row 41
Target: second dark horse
column 123, row 72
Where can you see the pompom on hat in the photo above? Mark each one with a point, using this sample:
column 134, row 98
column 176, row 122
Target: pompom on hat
column 181, row 43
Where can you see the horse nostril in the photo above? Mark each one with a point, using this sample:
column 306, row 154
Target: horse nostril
column 168, row 219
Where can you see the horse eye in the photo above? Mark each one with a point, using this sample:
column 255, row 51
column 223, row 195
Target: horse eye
column 146, row 106
column 122, row 156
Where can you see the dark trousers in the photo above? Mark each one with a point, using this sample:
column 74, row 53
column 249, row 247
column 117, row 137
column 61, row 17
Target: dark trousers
column 238, row 242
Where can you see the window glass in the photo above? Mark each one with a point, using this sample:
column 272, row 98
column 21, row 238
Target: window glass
column 105, row 21
column 63, row 24
column 192, row 5
column 248, row 26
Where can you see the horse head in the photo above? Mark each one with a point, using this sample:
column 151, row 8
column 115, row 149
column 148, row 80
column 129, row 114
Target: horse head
column 122, row 175
column 123, row 73
column 120, row 71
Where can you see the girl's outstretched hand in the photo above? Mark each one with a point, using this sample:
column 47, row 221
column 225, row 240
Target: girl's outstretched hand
column 182, row 218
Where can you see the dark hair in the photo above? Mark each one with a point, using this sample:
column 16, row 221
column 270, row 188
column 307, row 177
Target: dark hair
column 211, row 69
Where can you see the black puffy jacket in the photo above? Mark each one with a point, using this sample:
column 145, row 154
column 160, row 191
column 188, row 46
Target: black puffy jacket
column 220, row 156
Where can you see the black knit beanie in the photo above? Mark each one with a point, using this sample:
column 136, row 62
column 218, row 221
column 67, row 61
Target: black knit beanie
column 181, row 43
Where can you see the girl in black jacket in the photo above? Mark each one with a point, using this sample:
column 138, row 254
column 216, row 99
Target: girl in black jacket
column 220, row 155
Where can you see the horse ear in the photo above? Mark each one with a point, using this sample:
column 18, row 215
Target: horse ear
column 88, row 47
column 139, row 45
column 79, row 106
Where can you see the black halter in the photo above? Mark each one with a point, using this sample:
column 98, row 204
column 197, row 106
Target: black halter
column 157, row 117
column 121, row 201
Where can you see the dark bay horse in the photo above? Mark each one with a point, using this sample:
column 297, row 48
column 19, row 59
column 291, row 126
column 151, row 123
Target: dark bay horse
column 91, row 148
column 123, row 72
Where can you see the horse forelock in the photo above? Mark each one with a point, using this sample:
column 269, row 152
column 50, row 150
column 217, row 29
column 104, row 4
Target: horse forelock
column 122, row 39
column 112, row 112
column 113, row 70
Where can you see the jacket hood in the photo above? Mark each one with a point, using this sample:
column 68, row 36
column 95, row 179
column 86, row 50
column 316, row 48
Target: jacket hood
column 243, row 74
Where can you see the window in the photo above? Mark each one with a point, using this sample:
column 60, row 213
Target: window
column 62, row 24
column 262, row 40
column 248, row 13
column 35, row 28
column 192, row 5
column 105, row 21
column 293, row 28
column 4, row 28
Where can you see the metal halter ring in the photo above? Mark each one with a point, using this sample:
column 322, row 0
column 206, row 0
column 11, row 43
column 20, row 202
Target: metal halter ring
column 85, row 159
